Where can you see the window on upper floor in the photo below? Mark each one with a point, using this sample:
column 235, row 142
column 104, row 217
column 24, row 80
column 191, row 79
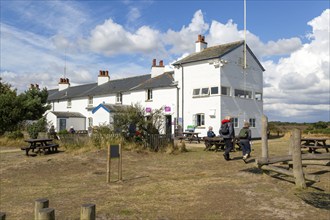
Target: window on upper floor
column 252, row 122
column 69, row 103
column 245, row 94
column 225, row 90
column 199, row 119
column 196, row 92
column 258, row 96
column 205, row 91
column 119, row 97
column 90, row 100
column 149, row 94
column 214, row 90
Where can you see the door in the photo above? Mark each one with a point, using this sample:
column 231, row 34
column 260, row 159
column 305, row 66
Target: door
column 168, row 124
column 62, row 124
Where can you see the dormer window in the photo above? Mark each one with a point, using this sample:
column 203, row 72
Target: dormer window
column 149, row 95
column 119, row 97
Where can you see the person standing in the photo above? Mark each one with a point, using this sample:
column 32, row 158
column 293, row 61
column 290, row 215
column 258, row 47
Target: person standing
column 244, row 140
column 228, row 133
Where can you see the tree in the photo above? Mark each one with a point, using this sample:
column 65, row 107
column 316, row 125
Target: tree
column 14, row 109
column 134, row 116
column 10, row 108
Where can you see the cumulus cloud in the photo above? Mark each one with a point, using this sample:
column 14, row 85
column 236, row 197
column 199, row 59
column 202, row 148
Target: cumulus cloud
column 300, row 83
column 111, row 38
column 183, row 41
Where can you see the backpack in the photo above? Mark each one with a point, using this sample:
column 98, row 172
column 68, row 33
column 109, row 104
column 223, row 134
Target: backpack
column 224, row 130
column 243, row 133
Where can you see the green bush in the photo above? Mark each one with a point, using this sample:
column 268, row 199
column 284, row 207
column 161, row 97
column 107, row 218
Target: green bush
column 15, row 135
column 36, row 127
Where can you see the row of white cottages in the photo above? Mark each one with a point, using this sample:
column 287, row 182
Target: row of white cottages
column 203, row 88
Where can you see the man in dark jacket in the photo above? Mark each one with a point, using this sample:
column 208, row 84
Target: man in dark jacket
column 228, row 133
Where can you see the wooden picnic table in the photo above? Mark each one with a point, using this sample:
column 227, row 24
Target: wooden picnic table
column 314, row 143
column 41, row 145
column 218, row 142
column 190, row 136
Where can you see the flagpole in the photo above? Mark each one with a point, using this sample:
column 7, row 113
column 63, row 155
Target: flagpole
column 244, row 34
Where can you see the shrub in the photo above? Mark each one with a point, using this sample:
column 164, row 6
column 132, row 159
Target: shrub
column 36, row 127
column 15, row 135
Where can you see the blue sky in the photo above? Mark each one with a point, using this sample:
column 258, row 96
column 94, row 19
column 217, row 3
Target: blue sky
column 290, row 38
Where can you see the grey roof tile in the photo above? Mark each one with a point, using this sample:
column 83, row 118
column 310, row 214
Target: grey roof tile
column 164, row 80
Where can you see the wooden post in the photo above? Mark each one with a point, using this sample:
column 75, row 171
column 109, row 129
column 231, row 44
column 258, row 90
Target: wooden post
column 46, row 214
column 264, row 137
column 296, row 159
column 87, row 212
column 40, row 204
column 2, row 216
column 108, row 165
column 120, row 166
column 291, row 146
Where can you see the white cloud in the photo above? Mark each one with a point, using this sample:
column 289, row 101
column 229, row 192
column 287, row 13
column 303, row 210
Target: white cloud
column 300, row 83
column 183, row 40
column 111, row 38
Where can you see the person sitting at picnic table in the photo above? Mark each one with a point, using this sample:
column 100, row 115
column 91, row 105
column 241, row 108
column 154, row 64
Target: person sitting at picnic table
column 210, row 132
column 52, row 133
column 72, row 131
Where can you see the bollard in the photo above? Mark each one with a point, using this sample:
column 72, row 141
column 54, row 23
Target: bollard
column 40, row 204
column 46, row 214
column 2, row 216
column 87, row 212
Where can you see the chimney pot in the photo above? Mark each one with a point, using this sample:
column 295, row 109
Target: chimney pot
column 161, row 64
column 100, row 73
column 154, row 62
column 107, row 73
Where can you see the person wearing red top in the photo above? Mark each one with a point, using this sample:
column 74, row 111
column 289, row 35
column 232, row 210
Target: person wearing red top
column 228, row 133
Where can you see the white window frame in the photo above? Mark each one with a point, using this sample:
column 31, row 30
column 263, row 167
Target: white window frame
column 149, row 94
column 235, row 122
column 214, row 87
column 205, row 91
column 196, row 92
column 69, row 103
column 244, row 94
column 258, row 96
column 90, row 122
column 252, row 122
column 227, row 89
column 119, row 97
column 199, row 120
column 90, row 100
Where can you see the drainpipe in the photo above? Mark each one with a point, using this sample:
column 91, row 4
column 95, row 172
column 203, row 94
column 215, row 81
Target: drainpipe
column 182, row 97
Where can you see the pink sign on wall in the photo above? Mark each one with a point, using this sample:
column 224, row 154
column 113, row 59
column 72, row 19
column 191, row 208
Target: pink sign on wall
column 148, row 109
column 167, row 108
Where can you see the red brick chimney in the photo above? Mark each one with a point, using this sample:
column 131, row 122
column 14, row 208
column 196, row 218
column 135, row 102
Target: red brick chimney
column 200, row 43
column 103, row 77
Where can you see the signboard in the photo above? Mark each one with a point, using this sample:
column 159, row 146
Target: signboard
column 167, row 108
column 114, row 151
column 148, row 109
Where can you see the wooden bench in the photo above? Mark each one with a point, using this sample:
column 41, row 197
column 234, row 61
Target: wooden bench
column 49, row 148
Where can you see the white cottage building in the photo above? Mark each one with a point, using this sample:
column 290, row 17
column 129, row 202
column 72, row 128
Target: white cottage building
column 203, row 88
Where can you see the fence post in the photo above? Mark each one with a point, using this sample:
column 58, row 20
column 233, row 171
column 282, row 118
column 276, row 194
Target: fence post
column 87, row 212
column 46, row 214
column 264, row 137
column 296, row 160
column 40, row 204
column 2, row 216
